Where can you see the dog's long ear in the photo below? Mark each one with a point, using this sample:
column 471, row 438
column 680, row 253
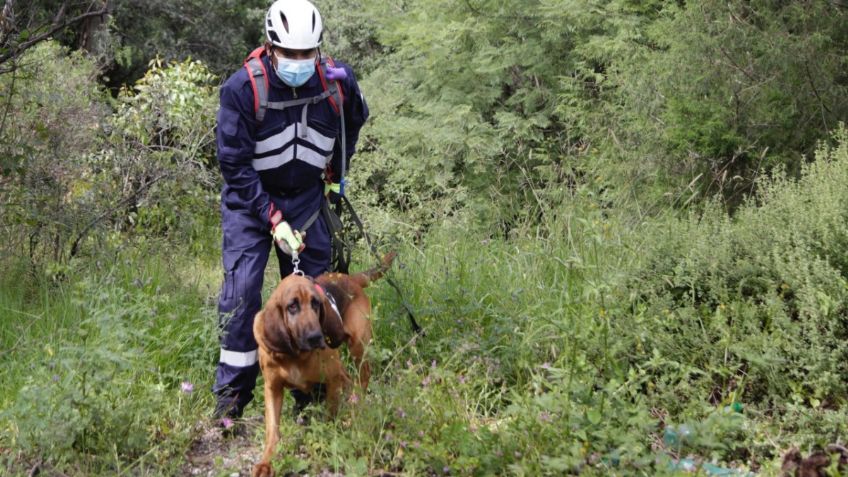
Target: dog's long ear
column 331, row 323
column 276, row 334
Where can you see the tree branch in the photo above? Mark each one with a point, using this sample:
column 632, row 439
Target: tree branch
column 133, row 195
column 8, row 102
column 15, row 51
column 816, row 94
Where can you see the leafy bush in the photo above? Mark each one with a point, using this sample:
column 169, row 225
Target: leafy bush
column 466, row 115
column 54, row 118
column 477, row 106
column 754, row 307
column 162, row 150
column 708, row 95
column 74, row 169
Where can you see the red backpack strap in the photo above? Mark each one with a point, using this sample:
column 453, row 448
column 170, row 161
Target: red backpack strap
column 256, row 68
column 335, row 87
column 258, row 52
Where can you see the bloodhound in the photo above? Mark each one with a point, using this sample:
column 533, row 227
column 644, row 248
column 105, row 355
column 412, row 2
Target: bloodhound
column 298, row 331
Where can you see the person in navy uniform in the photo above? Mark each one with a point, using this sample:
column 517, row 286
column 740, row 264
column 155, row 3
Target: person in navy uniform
column 278, row 168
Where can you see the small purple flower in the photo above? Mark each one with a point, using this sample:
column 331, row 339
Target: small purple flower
column 545, row 416
column 388, row 437
column 420, row 433
column 55, row 377
column 545, row 365
column 353, row 399
column 433, row 364
column 462, row 379
column 187, row 387
column 446, row 470
column 227, row 422
column 401, row 413
column 403, row 444
column 426, row 381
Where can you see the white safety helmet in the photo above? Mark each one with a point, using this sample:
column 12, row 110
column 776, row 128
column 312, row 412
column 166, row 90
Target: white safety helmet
column 293, row 24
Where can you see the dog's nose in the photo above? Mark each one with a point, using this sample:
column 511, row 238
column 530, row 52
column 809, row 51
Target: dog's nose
column 315, row 340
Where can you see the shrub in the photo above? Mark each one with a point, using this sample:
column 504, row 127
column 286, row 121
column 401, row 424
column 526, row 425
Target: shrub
column 708, row 95
column 73, row 169
column 54, row 119
column 754, row 306
column 161, row 151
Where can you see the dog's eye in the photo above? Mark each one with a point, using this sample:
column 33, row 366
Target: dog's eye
column 315, row 303
column 293, row 307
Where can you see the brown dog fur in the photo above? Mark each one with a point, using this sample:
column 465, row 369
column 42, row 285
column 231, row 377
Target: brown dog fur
column 296, row 310
column 816, row 464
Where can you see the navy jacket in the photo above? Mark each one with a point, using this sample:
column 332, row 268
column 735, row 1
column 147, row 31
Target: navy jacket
column 276, row 156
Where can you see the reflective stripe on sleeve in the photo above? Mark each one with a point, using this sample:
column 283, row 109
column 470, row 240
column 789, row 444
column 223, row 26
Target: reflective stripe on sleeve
column 237, row 358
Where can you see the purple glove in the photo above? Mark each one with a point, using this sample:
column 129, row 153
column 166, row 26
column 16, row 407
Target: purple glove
column 334, row 74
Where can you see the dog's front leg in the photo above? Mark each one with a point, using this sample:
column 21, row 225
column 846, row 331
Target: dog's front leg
column 336, row 387
column 273, row 405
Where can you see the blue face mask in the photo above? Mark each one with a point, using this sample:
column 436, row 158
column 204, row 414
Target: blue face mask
column 295, row 72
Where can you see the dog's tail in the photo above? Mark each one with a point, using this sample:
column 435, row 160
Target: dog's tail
column 363, row 279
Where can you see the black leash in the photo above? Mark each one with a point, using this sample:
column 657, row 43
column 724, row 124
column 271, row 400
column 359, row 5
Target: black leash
column 343, row 258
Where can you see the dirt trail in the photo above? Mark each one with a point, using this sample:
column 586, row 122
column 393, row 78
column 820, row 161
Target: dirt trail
column 214, row 455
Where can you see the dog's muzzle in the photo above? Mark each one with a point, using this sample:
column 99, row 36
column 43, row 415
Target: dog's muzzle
column 314, row 340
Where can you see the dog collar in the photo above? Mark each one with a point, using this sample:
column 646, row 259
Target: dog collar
column 331, row 300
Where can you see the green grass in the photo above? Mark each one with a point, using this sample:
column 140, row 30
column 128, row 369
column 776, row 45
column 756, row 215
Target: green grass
column 92, row 364
column 571, row 350
column 504, row 325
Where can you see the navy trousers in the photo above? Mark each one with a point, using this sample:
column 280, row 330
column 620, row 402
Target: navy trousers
column 247, row 244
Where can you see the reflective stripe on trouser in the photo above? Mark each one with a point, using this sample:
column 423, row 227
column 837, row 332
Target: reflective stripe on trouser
column 246, row 246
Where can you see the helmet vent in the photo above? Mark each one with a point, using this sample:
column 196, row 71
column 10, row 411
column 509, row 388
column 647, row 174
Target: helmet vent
column 274, row 38
column 285, row 22
column 313, row 20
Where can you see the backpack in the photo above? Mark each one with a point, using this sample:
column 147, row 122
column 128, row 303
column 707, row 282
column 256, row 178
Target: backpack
column 259, row 83
column 330, row 80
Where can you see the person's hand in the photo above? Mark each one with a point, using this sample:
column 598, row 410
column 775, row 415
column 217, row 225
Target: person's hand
column 333, row 192
column 290, row 241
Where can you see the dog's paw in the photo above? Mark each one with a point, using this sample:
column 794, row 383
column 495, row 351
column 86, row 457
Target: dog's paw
column 263, row 469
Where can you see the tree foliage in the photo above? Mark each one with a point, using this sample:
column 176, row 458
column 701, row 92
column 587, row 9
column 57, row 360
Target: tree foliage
column 72, row 166
column 478, row 103
column 496, row 111
column 125, row 38
column 719, row 91
column 26, row 24
column 220, row 33
column 466, row 106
